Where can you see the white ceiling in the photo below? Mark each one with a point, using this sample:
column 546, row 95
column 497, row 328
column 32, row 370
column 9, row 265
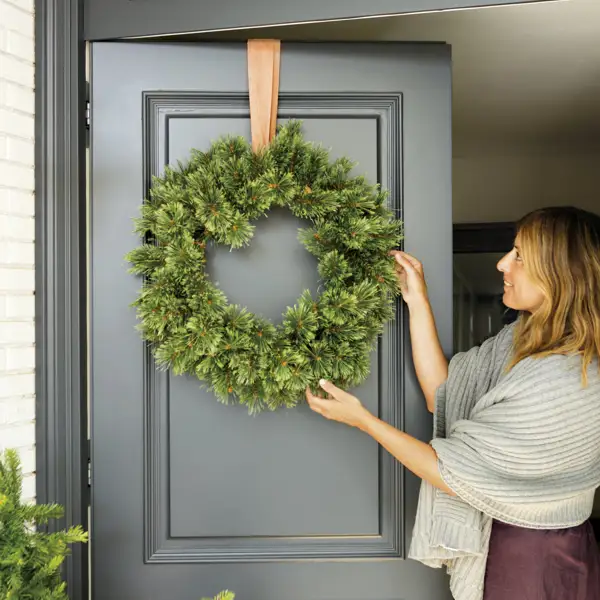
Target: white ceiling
column 526, row 78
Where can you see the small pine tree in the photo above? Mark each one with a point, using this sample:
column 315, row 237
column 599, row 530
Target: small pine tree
column 30, row 560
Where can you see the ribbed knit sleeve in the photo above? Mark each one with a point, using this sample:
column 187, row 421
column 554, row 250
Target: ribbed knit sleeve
column 529, row 446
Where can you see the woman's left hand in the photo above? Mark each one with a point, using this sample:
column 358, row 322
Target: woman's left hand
column 414, row 454
column 340, row 406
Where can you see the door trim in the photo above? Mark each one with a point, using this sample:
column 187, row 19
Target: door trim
column 483, row 237
column 160, row 546
column 60, row 272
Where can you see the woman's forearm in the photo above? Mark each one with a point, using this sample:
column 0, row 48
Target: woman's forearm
column 430, row 363
column 418, row 457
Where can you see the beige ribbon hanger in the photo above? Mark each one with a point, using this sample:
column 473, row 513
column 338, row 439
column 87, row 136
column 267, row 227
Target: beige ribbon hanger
column 263, row 85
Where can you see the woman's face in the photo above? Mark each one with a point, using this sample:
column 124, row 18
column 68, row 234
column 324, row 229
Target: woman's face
column 520, row 293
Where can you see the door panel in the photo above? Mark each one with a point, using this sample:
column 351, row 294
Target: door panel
column 252, row 464
column 191, row 496
column 105, row 19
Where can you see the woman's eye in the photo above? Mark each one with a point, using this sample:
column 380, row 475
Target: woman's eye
column 517, row 256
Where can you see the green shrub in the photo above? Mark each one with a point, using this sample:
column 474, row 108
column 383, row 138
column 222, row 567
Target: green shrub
column 30, row 559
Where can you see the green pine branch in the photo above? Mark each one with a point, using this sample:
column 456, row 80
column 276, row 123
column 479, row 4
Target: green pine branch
column 30, row 559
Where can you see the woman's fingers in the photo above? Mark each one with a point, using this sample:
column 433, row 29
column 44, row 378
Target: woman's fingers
column 314, row 399
column 311, row 399
column 409, row 272
column 415, row 262
column 340, row 406
column 404, row 258
column 331, row 389
column 316, row 403
column 405, row 264
column 406, row 274
column 334, row 393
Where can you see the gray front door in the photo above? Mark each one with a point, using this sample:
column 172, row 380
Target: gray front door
column 191, row 496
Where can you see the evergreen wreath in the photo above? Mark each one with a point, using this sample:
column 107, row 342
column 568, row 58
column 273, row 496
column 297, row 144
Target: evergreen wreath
column 213, row 199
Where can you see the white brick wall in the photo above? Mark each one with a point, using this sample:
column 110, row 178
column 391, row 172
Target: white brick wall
column 17, row 352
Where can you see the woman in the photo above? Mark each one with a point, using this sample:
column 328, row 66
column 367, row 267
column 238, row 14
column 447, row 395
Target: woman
column 509, row 478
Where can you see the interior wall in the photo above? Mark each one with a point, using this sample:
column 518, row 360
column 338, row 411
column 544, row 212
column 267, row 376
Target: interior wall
column 505, row 187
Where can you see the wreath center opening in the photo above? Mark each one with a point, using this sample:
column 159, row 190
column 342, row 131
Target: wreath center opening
column 269, row 274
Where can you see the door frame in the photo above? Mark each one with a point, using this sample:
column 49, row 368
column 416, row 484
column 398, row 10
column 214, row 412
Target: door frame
column 60, row 272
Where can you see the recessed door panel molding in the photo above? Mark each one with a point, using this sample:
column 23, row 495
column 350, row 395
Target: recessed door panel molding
column 345, row 521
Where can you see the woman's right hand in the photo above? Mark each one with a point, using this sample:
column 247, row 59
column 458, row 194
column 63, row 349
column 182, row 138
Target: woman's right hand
column 411, row 279
column 431, row 365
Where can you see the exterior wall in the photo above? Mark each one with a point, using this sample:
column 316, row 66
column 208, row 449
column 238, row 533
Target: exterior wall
column 17, row 350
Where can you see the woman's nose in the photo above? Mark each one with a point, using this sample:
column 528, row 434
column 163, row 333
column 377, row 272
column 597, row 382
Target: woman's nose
column 502, row 265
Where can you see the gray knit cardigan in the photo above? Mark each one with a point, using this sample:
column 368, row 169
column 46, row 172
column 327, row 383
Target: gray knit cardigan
column 522, row 447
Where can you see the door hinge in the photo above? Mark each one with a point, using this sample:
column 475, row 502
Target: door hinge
column 88, row 106
column 89, row 464
column 88, row 119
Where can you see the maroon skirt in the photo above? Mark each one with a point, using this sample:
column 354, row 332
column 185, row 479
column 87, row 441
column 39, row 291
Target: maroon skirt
column 542, row 564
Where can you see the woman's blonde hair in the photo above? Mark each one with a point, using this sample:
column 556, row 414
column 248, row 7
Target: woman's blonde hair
column 560, row 248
